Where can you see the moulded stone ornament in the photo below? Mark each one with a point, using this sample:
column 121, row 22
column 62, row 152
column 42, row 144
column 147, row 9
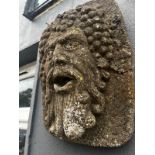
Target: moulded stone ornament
column 86, row 76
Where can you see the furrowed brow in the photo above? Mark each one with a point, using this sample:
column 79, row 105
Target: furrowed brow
column 66, row 37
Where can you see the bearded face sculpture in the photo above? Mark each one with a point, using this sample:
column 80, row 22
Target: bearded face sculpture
column 86, row 76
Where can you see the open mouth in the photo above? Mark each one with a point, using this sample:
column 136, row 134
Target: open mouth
column 63, row 82
column 63, row 78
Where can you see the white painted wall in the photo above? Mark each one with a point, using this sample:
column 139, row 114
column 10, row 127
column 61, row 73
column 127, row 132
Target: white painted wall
column 30, row 31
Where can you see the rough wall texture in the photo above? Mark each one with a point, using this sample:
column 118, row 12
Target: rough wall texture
column 86, row 75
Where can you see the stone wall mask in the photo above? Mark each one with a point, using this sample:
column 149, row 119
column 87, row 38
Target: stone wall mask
column 86, row 76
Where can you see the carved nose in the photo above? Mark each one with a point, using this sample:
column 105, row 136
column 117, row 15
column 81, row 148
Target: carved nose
column 60, row 60
column 59, row 56
column 62, row 78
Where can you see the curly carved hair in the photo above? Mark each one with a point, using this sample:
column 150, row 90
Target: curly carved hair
column 105, row 34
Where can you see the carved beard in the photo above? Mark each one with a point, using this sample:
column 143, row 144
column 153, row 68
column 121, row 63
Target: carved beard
column 72, row 114
column 74, row 88
column 73, row 104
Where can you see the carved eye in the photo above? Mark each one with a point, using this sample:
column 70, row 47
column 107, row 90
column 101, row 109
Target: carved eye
column 72, row 45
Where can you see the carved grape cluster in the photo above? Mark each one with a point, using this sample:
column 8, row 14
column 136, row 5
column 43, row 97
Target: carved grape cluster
column 94, row 24
column 104, row 29
column 100, row 28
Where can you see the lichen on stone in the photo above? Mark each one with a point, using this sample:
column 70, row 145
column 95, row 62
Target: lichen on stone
column 86, row 76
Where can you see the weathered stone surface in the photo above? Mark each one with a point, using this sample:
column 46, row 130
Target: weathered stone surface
column 86, row 75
